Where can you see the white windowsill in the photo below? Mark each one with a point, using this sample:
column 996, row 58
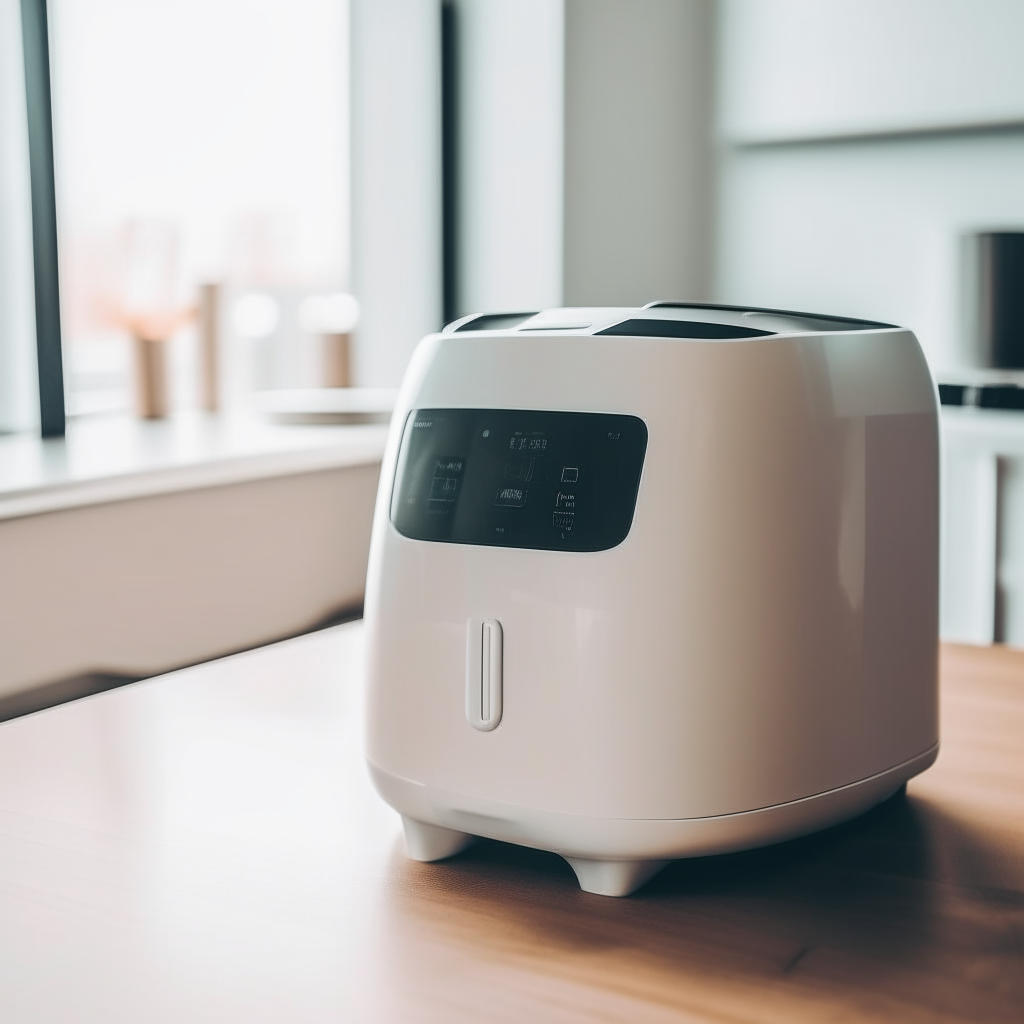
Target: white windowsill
column 118, row 457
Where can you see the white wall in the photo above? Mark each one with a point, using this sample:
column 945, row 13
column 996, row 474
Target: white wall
column 798, row 69
column 19, row 397
column 869, row 229
column 857, row 218
column 511, row 68
column 585, row 172
column 638, row 174
column 396, row 181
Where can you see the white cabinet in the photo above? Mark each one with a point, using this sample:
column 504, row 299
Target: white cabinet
column 982, row 557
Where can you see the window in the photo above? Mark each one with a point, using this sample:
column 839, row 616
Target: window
column 197, row 141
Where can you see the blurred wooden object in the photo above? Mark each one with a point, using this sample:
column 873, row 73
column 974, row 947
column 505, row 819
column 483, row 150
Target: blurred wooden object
column 206, row 846
column 152, row 392
column 209, row 346
column 337, row 360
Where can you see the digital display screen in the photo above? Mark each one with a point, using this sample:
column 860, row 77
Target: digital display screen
column 557, row 481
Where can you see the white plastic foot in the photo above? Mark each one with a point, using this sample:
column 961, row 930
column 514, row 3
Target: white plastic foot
column 431, row 842
column 613, row 877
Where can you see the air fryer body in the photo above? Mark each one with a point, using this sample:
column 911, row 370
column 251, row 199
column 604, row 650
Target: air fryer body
column 754, row 660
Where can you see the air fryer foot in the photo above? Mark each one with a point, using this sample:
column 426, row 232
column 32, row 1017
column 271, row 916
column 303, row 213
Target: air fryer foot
column 613, row 877
column 431, row 842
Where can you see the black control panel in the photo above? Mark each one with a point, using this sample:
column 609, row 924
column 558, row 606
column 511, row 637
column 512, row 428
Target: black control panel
column 557, row 481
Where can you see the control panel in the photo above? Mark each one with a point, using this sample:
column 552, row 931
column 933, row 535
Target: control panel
column 560, row 481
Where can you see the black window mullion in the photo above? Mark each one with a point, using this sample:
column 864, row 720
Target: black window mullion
column 44, row 217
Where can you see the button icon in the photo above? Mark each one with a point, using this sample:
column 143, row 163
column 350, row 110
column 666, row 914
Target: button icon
column 570, row 474
column 519, row 469
column 444, row 486
column 563, row 521
column 511, row 497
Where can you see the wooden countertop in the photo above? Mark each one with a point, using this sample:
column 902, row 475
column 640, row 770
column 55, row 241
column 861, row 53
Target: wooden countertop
column 205, row 846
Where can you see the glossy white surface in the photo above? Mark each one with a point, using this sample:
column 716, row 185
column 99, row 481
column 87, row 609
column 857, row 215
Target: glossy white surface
column 582, row 838
column 110, row 459
column 767, row 631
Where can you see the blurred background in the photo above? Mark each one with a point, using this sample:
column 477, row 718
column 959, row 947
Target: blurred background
column 436, row 157
column 259, row 196
column 197, row 141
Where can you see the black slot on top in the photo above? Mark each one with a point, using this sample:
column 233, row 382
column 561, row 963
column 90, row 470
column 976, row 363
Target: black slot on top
column 495, row 321
column 642, row 328
column 952, row 394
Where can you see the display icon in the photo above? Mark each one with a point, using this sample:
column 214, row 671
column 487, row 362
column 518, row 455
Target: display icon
column 563, row 521
column 519, row 469
column 444, row 485
column 511, row 497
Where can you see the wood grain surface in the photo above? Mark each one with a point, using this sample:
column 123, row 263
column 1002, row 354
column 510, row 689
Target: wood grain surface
column 205, row 846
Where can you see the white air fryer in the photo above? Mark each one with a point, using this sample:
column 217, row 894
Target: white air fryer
column 653, row 583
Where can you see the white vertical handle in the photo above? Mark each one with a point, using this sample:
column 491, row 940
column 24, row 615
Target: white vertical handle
column 483, row 673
